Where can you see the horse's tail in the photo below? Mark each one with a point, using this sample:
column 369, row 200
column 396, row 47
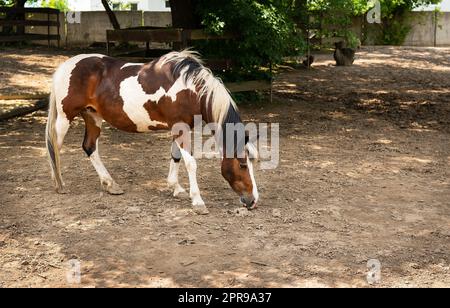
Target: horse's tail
column 51, row 141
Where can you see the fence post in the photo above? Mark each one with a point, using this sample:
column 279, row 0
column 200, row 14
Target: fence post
column 48, row 29
column 435, row 27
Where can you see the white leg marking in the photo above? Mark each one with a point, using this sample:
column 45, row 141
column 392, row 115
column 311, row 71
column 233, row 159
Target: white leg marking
column 191, row 166
column 104, row 175
column 172, row 179
column 106, row 180
column 252, row 176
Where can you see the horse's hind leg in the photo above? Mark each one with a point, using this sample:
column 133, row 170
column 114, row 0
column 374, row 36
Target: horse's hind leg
column 61, row 128
column 90, row 145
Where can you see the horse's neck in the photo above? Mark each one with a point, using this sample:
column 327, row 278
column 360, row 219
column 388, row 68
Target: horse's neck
column 232, row 118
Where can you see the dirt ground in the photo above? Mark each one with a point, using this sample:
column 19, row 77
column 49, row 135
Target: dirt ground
column 364, row 174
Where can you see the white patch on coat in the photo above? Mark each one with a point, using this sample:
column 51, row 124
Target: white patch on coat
column 134, row 98
column 131, row 64
column 61, row 79
column 180, row 85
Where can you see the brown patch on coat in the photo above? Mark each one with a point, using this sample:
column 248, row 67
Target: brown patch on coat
column 171, row 112
column 152, row 77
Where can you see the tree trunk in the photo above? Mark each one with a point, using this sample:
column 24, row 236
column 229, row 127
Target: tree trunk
column 15, row 16
column 111, row 15
column 184, row 14
column 301, row 13
column 20, row 16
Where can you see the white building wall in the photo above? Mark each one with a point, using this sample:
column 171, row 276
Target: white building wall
column 96, row 5
column 444, row 6
column 153, row 5
column 80, row 5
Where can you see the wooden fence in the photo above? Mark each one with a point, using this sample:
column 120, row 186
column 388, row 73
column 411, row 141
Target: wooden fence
column 180, row 38
column 21, row 21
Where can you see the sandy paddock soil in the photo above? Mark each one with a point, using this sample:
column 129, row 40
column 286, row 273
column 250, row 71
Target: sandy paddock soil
column 364, row 174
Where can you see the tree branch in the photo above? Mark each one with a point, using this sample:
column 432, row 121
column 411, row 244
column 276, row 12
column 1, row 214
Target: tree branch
column 111, row 15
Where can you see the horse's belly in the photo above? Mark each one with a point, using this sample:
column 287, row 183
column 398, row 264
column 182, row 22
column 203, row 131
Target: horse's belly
column 141, row 118
column 132, row 119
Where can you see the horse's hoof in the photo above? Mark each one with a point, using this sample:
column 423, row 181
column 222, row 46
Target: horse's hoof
column 178, row 192
column 114, row 189
column 200, row 210
column 62, row 191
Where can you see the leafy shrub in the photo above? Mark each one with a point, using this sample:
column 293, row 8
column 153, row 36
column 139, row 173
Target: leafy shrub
column 265, row 33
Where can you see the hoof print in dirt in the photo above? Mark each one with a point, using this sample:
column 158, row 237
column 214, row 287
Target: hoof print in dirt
column 200, row 210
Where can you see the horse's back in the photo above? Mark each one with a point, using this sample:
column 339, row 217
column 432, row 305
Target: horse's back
column 131, row 97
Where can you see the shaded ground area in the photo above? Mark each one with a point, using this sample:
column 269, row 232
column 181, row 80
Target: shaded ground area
column 364, row 174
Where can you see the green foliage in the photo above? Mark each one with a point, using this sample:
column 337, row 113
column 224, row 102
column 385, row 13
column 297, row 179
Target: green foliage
column 119, row 6
column 62, row 5
column 352, row 40
column 268, row 29
column 58, row 4
column 7, row 2
column 394, row 31
column 395, row 24
column 336, row 18
column 265, row 33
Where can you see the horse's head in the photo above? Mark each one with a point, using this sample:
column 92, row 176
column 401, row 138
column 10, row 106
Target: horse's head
column 240, row 175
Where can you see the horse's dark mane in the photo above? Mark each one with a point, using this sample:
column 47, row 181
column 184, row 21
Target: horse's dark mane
column 194, row 67
column 232, row 116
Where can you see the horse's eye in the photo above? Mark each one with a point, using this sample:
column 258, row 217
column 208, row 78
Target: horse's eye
column 243, row 165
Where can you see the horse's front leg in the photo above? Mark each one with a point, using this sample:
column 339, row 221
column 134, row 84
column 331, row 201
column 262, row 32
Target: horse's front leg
column 191, row 166
column 172, row 179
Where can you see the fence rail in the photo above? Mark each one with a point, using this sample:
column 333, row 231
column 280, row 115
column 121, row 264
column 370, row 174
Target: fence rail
column 17, row 17
column 36, row 10
column 180, row 38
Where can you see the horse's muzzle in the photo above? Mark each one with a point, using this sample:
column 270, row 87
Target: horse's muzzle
column 249, row 202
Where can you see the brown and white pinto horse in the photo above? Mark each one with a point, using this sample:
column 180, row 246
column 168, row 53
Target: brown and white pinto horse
column 139, row 98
